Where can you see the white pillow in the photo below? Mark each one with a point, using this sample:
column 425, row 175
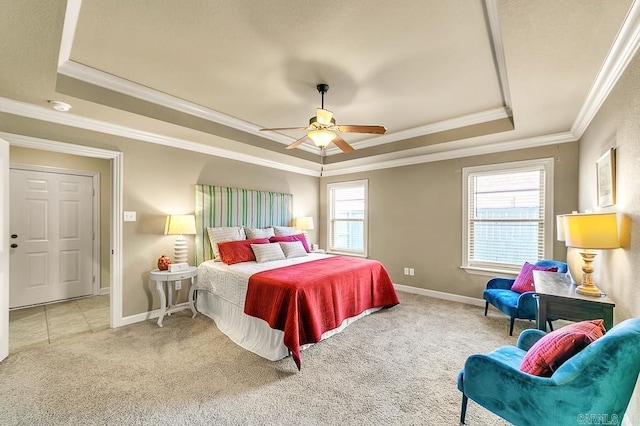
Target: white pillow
column 224, row 234
column 259, row 232
column 293, row 249
column 267, row 252
column 285, row 230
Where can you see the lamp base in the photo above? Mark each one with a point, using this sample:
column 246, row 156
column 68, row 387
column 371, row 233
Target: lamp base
column 180, row 250
column 587, row 287
column 588, row 290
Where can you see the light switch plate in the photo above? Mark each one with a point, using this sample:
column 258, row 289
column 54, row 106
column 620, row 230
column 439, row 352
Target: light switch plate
column 129, row 216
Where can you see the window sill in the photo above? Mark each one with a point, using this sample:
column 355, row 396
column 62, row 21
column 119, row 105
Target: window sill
column 489, row 272
column 342, row 253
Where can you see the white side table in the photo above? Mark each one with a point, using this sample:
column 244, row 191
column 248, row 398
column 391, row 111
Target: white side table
column 165, row 277
column 321, row 251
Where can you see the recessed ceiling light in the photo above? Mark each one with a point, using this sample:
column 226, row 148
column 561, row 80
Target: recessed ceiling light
column 59, row 106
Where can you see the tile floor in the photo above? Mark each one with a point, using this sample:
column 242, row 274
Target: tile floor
column 42, row 325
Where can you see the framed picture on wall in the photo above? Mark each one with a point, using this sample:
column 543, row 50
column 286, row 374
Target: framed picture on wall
column 606, row 174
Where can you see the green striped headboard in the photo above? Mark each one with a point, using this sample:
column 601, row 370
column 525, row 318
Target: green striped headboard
column 220, row 206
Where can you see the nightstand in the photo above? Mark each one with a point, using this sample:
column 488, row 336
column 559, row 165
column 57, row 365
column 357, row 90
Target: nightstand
column 321, row 251
column 167, row 278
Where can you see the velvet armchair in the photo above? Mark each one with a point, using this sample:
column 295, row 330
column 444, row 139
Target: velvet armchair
column 596, row 383
column 517, row 305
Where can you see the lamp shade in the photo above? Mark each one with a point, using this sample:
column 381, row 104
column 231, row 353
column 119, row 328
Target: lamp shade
column 180, row 224
column 304, row 223
column 321, row 137
column 598, row 231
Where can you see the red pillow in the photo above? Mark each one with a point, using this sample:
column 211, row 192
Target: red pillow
column 239, row 251
column 552, row 350
column 291, row 238
column 524, row 281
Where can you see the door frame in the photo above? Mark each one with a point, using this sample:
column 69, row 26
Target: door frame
column 95, row 220
column 4, row 249
column 117, row 171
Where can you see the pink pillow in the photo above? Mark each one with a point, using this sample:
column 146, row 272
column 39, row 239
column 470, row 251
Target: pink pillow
column 552, row 350
column 524, row 281
column 239, row 251
column 291, row 238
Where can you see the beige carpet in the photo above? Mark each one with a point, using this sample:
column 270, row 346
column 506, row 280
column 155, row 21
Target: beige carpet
column 397, row 366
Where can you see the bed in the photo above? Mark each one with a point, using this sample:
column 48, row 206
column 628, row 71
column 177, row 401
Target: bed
column 278, row 306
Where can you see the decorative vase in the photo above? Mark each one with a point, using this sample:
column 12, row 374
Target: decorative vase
column 164, row 262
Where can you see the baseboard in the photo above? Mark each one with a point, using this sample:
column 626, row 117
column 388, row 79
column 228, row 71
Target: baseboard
column 132, row 319
column 104, row 290
column 440, row 295
column 144, row 316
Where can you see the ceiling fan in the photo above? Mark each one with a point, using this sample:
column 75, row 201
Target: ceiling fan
column 322, row 128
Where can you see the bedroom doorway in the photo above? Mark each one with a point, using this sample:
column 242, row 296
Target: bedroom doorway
column 115, row 222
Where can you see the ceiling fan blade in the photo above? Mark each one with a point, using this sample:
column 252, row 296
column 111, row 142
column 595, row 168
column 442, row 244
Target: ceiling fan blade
column 353, row 128
column 298, row 142
column 324, row 116
column 283, row 128
column 342, row 144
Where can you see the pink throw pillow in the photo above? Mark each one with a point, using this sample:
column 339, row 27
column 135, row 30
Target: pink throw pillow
column 524, row 281
column 291, row 238
column 552, row 350
column 239, row 251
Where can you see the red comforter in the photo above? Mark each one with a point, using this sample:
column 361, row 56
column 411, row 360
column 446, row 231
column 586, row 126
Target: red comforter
column 307, row 299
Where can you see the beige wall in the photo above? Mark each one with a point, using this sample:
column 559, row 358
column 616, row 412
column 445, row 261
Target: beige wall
column 617, row 125
column 415, row 216
column 74, row 162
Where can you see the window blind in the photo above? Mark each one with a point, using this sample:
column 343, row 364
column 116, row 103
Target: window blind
column 506, row 217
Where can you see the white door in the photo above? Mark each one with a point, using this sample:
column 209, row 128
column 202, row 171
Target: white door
column 51, row 237
column 4, row 249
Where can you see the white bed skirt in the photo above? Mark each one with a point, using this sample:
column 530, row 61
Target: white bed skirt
column 251, row 333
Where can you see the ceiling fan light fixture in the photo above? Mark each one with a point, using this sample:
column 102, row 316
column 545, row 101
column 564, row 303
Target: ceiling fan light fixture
column 321, row 137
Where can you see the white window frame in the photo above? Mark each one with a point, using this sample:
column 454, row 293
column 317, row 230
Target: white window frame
column 486, row 268
column 330, row 220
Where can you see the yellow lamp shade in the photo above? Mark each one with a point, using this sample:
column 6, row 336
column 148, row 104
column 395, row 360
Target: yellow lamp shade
column 180, row 224
column 304, row 223
column 597, row 231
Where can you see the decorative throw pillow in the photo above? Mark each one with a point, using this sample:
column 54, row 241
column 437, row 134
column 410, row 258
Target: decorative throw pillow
column 293, row 249
column 259, row 232
column 285, row 230
column 267, row 252
column 524, row 281
column 290, row 238
column 223, row 234
column 239, row 251
column 552, row 350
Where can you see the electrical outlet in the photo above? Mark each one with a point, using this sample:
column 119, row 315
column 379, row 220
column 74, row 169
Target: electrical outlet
column 406, row 271
column 178, row 285
column 411, row 272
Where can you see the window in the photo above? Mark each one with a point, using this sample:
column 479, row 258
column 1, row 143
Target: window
column 347, row 230
column 508, row 215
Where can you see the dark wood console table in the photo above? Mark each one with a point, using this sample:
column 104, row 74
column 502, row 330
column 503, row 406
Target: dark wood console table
column 557, row 298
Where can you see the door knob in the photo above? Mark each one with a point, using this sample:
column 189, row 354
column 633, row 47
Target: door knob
column 13, row 245
column 14, row 235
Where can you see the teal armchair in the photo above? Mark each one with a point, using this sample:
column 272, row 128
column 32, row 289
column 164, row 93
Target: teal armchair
column 517, row 305
column 595, row 383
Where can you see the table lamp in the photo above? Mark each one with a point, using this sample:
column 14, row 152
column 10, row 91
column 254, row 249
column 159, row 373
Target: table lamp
column 180, row 225
column 304, row 223
column 590, row 231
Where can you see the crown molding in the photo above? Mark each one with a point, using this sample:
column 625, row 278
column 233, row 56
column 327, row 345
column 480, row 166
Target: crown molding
column 64, row 118
column 440, row 126
column 491, row 148
column 623, row 49
column 498, row 52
